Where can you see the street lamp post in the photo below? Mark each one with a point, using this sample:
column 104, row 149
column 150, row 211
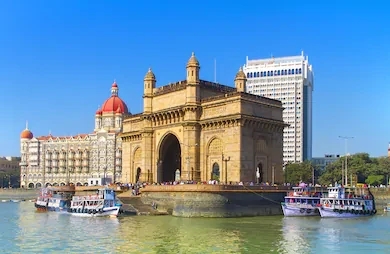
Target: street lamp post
column 225, row 160
column 346, row 157
column 273, row 175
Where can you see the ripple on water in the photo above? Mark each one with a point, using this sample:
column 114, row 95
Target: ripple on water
column 25, row 231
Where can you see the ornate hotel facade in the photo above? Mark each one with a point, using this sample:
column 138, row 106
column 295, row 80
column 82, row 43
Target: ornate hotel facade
column 50, row 160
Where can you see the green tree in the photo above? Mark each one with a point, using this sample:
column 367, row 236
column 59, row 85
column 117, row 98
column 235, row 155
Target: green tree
column 375, row 179
column 361, row 165
column 296, row 172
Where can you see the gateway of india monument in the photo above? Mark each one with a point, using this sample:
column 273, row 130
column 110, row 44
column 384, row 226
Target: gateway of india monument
column 200, row 130
column 50, row 160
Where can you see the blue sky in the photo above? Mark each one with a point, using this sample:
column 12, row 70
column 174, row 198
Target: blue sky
column 59, row 58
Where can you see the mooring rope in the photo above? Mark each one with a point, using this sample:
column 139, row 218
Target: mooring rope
column 276, row 202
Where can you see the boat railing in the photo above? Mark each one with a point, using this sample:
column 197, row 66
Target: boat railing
column 344, row 206
column 90, row 197
column 302, row 205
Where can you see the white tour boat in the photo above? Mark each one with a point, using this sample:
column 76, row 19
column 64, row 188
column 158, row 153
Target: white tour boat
column 356, row 203
column 302, row 201
column 104, row 203
column 54, row 198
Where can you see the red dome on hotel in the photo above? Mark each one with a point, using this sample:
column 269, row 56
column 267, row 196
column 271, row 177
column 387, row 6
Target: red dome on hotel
column 114, row 104
column 27, row 134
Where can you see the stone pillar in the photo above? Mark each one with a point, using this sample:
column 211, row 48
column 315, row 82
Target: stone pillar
column 147, row 155
column 190, row 152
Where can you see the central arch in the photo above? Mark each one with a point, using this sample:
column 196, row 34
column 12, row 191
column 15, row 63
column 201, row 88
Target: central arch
column 170, row 158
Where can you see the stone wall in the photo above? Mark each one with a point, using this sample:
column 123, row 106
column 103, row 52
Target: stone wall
column 215, row 200
column 382, row 196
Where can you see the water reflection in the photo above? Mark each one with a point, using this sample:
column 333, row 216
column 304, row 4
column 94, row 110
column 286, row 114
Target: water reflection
column 298, row 234
column 25, row 231
column 177, row 235
column 51, row 232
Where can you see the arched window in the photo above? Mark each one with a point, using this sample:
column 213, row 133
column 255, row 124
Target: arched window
column 258, row 74
column 300, row 70
column 278, row 72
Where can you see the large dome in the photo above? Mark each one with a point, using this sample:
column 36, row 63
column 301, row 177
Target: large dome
column 114, row 104
column 26, row 134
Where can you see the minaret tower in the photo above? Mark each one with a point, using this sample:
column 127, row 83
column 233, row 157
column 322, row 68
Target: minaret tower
column 240, row 81
column 149, row 85
column 25, row 137
column 98, row 119
column 118, row 119
column 193, row 91
column 114, row 89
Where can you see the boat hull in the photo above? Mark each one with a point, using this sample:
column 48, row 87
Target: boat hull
column 289, row 211
column 107, row 212
column 329, row 213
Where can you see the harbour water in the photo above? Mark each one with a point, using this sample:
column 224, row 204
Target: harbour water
column 23, row 230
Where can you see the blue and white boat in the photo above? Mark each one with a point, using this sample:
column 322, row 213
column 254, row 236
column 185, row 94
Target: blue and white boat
column 103, row 203
column 355, row 203
column 302, row 201
column 55, row 198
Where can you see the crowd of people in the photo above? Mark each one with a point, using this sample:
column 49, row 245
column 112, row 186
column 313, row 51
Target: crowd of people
column 135, row 187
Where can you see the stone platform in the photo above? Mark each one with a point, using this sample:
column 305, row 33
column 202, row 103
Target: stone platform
column 203, row 200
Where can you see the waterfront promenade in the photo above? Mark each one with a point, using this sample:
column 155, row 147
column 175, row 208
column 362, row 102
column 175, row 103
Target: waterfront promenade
column 18, row 194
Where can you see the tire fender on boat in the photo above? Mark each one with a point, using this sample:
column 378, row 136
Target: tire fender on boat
column 302, row 210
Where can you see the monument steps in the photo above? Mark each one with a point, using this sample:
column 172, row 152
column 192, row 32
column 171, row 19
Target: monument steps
column 133, row 204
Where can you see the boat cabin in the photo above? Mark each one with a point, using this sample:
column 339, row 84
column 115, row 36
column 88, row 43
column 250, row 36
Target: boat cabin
column 336, row 192
column 104, row 197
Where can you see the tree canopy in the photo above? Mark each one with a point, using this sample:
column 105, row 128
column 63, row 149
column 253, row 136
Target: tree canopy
column 362, row 168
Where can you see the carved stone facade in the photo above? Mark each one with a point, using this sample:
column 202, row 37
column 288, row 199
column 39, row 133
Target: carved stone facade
column 203, row 130
column 50, row 160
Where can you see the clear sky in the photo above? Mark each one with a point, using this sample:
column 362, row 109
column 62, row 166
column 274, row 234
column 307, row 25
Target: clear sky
column 58, row 59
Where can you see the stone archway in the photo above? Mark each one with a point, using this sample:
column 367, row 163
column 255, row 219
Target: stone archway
column 215, row 172
column 170, row 158
column 38, row 185
column 259, row 173
column 31, row 185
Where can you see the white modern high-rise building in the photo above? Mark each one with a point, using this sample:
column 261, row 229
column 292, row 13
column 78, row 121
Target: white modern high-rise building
column 290, row 80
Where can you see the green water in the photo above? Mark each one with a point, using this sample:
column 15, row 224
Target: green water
column 25, row 231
